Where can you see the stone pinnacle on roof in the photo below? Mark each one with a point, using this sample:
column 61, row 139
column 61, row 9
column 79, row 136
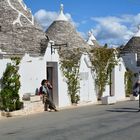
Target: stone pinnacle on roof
column 91, row 38
column 63, row 33
column 61, row 16
column 138, row 33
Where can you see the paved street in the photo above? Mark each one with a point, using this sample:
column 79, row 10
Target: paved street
column 95, row 122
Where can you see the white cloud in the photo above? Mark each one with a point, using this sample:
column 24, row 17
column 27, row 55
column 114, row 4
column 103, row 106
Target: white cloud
column 45, row 18
column 115, row 30
column 112, row 30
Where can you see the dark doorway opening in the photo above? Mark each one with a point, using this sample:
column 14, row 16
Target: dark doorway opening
column 52, row 76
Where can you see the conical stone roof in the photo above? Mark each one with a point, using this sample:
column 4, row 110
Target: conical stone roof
column 133, row 46
column 61, row 31
column 19, row 32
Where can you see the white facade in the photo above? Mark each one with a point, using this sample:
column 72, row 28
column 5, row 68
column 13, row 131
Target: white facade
column 60, row 90
column 118, row 81
column 116, row 92
column 31, row 70
column 87, row 80
column 34, row 69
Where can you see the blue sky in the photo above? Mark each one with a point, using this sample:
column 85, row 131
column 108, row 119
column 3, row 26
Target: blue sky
column 111, row 21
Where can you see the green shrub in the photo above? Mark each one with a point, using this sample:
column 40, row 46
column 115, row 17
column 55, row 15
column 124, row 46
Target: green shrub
column 103, row 60
column 10, row 84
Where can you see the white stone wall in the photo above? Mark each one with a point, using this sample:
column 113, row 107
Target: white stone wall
column 64, row 99
column 107, row 91
column 32, row 71
column 62, row 91
column 87, row 80
column 119, row 85
column 51, row 55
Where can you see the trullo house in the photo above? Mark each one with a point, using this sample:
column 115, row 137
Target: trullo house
column 48, row 55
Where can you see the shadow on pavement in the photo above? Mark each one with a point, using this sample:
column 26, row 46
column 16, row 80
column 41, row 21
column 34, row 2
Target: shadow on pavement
column 133, row 110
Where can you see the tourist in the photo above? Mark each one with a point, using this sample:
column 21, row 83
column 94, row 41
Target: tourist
column 47, row 98
column 136, row 91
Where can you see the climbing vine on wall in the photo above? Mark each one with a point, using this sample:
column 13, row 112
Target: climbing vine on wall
column 70, row 68
column 128, row 79
column 103, row 60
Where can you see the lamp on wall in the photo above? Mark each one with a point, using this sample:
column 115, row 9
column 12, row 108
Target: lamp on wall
column 56, row 46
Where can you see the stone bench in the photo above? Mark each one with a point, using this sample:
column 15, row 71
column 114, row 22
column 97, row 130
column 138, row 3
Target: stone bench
column 35, row 98
column 34, row 105
column 106, row 100
column 32, row 98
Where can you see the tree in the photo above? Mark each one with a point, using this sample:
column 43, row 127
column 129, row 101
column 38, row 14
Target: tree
column 70, row 68
column 103, row 59
column 10, row 84
column 71, row 72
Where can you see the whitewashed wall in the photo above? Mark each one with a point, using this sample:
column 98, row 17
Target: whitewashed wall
column 51, row 55
column 32, row 71
column 107, row 91
column 118, row 80
column 118, row 85
column 62, row 90
column 64, row 99
column 87, row 80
